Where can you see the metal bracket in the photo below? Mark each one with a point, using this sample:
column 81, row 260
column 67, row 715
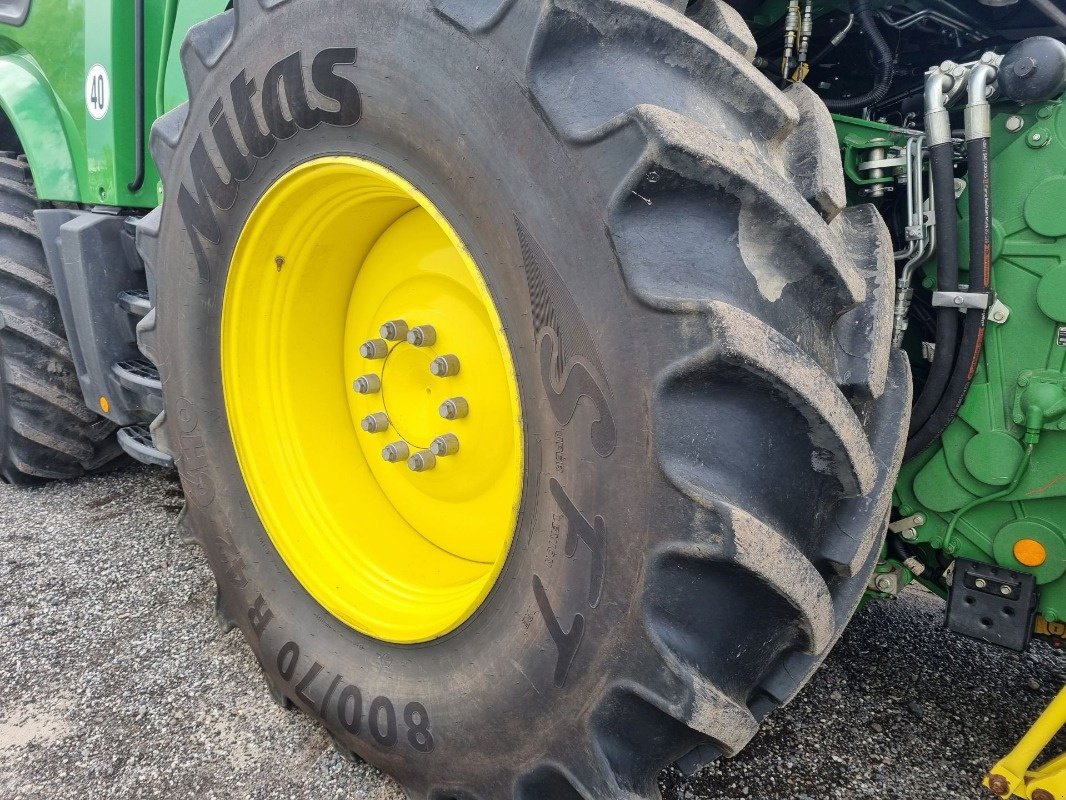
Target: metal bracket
column 888, row 583
column 905, row 524
column 998, row 312
column 962, row 300
column 907, row 528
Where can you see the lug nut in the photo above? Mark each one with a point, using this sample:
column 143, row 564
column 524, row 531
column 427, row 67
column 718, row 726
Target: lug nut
column 375, row 348
column 980, row 583
column 445, row 366
column 445, row 445
column 394, row 330
column 422, row 336
column 376, row 422
column 1004, row 590
column 421, row 461
column 367, row 384
column 397, row 451
column 456, row 408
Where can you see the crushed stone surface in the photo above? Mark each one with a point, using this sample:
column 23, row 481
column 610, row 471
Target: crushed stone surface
column 117, row 682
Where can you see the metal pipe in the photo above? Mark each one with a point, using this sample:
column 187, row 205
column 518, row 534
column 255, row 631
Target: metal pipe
column 978, row 113
column 1051, row 11
column 937, row 122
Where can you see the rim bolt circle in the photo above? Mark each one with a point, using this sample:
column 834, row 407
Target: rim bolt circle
column 367, row 384
column 445, row 366
column 397, row 451
column 375, row 423
column 421, row 461
column 445, row 445
column 394, row 330
column 375, row 348
column 422, row 336
column 456, row 408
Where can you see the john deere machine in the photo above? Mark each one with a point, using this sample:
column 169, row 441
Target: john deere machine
column 539, row 372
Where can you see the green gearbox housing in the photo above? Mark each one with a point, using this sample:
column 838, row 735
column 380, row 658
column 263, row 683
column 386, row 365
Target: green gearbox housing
column 1023, row 366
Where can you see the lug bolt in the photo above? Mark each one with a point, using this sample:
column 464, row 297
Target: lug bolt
column 1014, row 123
column 375, row 423
column 367, row 384
column 394, row 330
column 980, row 583
column 1004, row 590
column 445, row 445
column 375, row 348
column 397, row 451
column 421, row 461
column 910, row 534
column 456, row 408
column 445, row 366
column 883, row 583
column 422, row 336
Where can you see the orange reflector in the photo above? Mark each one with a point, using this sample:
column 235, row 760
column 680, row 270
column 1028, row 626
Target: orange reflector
column 1030, row 552
column 105, row 404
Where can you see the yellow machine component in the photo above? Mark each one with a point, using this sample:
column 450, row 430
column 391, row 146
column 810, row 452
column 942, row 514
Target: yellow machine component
column 1012, row 776
column 372, row 399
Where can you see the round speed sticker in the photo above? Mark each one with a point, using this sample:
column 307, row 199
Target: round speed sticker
column 97, row 92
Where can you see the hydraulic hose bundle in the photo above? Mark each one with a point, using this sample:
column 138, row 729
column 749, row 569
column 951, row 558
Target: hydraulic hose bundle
column 938, row 130
column 881, row 55
column 953, row 372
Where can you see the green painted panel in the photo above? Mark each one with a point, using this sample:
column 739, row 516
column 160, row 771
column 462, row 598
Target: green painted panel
column 43, row 69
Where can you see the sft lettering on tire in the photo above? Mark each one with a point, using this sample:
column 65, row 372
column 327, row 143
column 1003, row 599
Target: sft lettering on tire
column 570, row 370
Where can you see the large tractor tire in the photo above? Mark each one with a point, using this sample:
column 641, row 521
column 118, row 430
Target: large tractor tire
column 46, row 430
column 676, row 418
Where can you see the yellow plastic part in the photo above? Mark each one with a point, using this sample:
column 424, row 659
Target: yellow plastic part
column 334, row 249
column 1013, row 776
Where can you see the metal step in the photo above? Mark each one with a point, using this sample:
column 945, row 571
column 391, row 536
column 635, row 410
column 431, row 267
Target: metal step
column 135, row 302
column 140, row 379
column 136, row 440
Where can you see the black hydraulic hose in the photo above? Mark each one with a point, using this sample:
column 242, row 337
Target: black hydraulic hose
column 896, row 548
column 973, row 332
column 883, row 61
column 138, row 95
column 947, row 280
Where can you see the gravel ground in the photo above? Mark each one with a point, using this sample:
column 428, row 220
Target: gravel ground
column 116, row 682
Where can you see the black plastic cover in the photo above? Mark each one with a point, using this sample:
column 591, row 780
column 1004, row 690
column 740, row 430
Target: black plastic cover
column 90, row 268
column 992, row 604
column 1034, row 70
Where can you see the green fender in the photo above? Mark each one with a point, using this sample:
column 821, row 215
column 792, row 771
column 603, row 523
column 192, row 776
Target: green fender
column 43, row 127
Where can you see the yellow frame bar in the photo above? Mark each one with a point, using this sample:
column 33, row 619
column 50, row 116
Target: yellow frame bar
column 1013, row 774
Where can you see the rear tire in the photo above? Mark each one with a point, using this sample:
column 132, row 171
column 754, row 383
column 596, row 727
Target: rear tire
column 701, row 337
column 46, row 430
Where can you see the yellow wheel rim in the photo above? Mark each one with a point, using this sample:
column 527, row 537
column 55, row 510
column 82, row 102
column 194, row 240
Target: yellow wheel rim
column 334, row 250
